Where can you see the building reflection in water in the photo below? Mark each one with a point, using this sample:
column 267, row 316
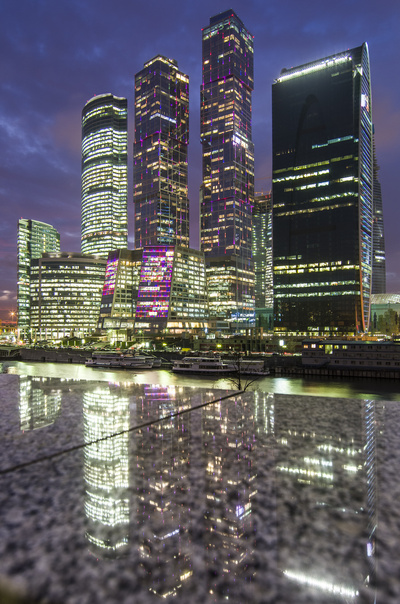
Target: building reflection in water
column 39, row 402
column 163, row 489
column 230, row 451
column 257, row 490
column 326, row 507
column 106, row 469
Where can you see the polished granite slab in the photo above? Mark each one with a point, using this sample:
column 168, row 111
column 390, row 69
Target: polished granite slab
column 255, row 497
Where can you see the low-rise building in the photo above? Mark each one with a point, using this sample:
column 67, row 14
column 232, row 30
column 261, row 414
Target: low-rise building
column 66, row 293
column 347, row 354
column 172, row 294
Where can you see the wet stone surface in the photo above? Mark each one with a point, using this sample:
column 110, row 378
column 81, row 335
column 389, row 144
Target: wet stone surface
column 256, row 498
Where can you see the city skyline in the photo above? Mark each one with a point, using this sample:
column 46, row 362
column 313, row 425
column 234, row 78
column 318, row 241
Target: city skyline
column 58, row 57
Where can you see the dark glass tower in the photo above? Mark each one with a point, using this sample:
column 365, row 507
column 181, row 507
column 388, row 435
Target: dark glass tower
column 379, row 255
column 104, row 175
column 228, row 167
column 160, row 172
column 322, row 195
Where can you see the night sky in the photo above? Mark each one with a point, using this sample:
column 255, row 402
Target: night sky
column 57, row 54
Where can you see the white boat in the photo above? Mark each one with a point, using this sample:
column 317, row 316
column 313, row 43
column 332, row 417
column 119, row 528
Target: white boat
column 121, row 361
column 205, row 365
column 202, row 366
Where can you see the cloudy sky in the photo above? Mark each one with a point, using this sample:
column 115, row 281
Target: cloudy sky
column 56, row 54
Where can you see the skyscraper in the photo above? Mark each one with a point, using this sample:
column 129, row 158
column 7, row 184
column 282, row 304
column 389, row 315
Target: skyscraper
column 104, row 175
column 34, row 238
column 262, row 250
column 379, row 255
column 322, row 195
column 160, row 171
column 228, row 167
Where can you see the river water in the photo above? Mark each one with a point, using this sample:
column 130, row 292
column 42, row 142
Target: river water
column 334, row 387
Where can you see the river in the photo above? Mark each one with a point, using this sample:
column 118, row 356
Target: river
column 334, row 387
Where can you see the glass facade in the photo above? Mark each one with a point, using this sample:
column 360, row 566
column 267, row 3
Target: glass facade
column 160, row 172
column 262, row 250
column 104, row 175
column 379, row 255
column 227, row 190
column 34, row 238
column 322, row 195
column 118, row 302
column 172, row 290
column 66, row 293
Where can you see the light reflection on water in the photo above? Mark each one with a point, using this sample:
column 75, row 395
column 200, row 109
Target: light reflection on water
column 332, row 387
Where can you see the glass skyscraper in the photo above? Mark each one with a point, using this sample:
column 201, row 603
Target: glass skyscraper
column 104, row 175
column 34, row 238
column 379, row 254
column 227, row 190
column 160, row 173
column 323, row 195
column 262, row 250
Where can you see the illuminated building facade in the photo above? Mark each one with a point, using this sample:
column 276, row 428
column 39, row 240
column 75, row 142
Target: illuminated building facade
column 323, row 195
column 104, row 175
column 66, row 293
column 379, row 255
column 34, row 238
column 262, row 256
column 160, row 172
column 172, row 291
column 120, row 291
column 227, row 190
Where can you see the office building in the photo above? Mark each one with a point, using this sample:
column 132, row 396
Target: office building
column 322, row 195
column 66, row 293
column 160, row 172
column 227, row 190
column 262, row 258
column 104, row 175
column 120, row 292
column 379, row 255
column 172, row 295
column 34, row 238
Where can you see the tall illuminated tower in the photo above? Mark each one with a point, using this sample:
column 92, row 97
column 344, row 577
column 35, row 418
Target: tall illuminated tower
column 104, row 175
column 160, row 172
column 34, row 239
column 227, row 190
column 379, row 254
column 262, row 250
column 323, row 195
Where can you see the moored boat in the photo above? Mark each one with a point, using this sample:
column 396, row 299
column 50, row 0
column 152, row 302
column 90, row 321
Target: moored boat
column 121, row 361
column 206, row 365
column 202, row 366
